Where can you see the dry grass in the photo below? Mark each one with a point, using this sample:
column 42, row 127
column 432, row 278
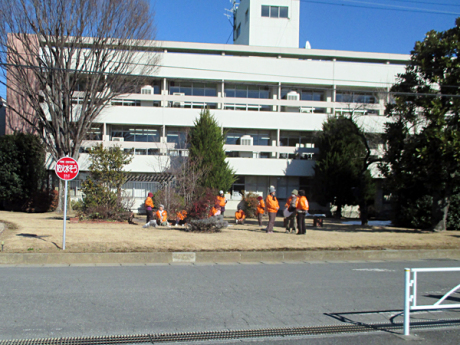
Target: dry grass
column 25, row 232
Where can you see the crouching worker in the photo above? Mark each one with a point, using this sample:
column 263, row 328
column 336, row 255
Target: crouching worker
column 180, row 217
column 162, row 217
column 239, row 216
column 216, row 212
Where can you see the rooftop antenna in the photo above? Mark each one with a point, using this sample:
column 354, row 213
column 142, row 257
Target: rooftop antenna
column 230, row 14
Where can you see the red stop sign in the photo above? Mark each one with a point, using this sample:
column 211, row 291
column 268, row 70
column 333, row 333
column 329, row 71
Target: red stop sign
column 66, row 168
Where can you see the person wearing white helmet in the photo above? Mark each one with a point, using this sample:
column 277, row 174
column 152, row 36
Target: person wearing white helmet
column 221, row 201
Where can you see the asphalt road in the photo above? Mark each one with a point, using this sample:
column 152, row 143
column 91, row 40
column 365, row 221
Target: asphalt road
column 54, row 301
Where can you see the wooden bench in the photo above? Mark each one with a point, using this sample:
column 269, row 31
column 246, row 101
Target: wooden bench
column 317, row 218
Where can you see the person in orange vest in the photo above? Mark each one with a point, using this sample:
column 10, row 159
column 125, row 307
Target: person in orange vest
column 162, row 217
column 302, row 209
column 240, row 216
column 215, row 211
column 291, row 205
column 221, row 201
column 180, row 217
column 272, row 207
column 148, row 204
column 260, row 209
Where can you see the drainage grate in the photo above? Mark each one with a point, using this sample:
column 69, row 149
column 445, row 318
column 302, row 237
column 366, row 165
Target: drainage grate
column 229, row 334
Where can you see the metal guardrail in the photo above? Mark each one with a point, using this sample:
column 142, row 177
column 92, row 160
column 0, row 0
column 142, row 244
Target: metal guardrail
column 410, row 294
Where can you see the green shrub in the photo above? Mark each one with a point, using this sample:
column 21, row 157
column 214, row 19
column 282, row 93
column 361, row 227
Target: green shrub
column 213, row 224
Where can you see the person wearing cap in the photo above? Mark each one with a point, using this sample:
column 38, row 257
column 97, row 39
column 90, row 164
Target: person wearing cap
column 162, row 216
column 148, row 204
column 221, row 201
column 272, row 207
column 302, row 209
column 240, row 216
column 260, row 209
column 291, row 205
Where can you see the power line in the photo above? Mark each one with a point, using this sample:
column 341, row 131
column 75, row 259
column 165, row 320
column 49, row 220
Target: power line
column 428, row 3
column 375, row 6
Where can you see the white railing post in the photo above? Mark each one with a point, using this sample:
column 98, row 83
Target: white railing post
column 407, row 301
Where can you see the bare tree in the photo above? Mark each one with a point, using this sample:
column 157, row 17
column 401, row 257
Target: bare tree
column 181, row 175
column 65, row 61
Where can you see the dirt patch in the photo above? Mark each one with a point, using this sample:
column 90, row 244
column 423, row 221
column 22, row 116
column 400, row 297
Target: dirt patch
column 43, row 232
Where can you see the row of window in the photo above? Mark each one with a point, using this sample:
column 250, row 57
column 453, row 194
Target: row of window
column 253, row 91
column 179, row 135
column 275, row 11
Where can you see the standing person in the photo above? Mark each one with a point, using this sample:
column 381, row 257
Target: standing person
column 272, row 206
column 162, row 217
column 148, row 204
column 291, row 205
column 302, row 209
column 260, row 209
column 221, row 201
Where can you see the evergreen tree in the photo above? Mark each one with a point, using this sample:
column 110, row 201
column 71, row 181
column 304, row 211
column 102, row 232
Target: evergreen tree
column 206, row 142
column 337, row 170
column 423, row 137
column 22, row 166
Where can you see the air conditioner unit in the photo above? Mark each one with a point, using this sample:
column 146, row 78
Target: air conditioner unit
column 178, row 94
column 163, row 140
column 147, row 90
column 246, row 140
column 118, row 139
column 293, row 96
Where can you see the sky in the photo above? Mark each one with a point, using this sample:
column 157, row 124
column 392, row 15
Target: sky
column 383, row 26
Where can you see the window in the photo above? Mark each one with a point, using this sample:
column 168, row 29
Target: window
column 260, row 138
column 299, row 139
column 94, row 132
column 305, row 94
column 176, row 135
column 283, row 12
column 355, row 97
column 247, row 91
column 132, row 133
column 275, row 11
column 193, row 89
column 265, row 11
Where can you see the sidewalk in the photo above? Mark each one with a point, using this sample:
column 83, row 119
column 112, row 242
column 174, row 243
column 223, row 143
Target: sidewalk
column 37, row 238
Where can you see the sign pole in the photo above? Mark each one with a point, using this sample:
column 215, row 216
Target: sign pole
column 66, row 169
column 65, row 214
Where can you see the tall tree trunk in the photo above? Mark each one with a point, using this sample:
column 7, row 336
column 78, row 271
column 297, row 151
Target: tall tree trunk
column 439, row 210
column 363, row 209
column 338, row 212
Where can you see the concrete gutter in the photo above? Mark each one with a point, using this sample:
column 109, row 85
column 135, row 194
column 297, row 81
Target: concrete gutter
column 223, row 257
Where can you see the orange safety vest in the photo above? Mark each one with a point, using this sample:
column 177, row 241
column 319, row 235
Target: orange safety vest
column 221, row 201
column 212, row 212
column 181, row 215
column 272, row 204
column 164, row 218
column 240, row 214
column 302, row 203
column 149, row 202
column 261, row 207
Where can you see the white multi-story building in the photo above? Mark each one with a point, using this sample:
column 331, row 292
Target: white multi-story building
column 269, row 96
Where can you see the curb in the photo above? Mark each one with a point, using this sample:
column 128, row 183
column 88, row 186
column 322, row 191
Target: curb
column 223, row 257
